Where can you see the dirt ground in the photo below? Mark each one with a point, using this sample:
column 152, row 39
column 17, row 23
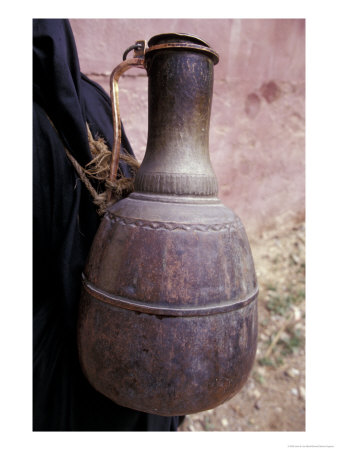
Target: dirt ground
column 273, row 398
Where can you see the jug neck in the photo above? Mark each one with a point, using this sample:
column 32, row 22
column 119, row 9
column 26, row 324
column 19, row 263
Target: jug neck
column 180, row 85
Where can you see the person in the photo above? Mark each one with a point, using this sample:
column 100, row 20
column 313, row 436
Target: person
column 65, row 221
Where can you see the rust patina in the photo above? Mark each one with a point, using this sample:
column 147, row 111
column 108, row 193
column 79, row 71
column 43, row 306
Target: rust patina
column 168, row 313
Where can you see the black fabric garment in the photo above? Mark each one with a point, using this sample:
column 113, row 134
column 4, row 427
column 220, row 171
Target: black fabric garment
column 64, row 224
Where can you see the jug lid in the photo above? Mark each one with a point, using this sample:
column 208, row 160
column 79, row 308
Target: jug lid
column 177, row 37
column 181, row 39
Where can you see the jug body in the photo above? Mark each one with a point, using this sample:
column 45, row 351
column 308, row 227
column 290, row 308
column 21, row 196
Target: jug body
column 168, row 313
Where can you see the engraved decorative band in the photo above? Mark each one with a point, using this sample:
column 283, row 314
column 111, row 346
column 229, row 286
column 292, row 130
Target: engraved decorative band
column 126, row 303
column 176, row 183
column 171, row 226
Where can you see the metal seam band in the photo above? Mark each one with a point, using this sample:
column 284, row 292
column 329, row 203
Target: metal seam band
column 125, row 303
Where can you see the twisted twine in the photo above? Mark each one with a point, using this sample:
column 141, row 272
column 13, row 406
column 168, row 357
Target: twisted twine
column 99, row 169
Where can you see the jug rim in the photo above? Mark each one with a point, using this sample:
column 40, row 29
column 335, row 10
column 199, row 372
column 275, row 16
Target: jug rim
column 191, row 37
column 180, row 41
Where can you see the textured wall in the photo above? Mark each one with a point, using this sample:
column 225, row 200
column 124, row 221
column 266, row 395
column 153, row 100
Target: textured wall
column 257, row 131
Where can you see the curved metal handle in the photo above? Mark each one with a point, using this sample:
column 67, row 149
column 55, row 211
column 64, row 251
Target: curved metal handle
column 136, row 61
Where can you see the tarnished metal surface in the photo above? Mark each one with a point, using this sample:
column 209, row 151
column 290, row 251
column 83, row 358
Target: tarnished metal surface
column 168, row 316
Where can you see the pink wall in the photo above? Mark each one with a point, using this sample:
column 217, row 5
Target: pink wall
column 257, row 133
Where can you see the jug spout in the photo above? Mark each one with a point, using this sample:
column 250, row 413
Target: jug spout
column 180, row 84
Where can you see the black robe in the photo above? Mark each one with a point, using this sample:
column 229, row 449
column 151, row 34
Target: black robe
column 64, row 224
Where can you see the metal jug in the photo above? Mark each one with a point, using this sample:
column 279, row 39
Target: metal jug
column 168, row 313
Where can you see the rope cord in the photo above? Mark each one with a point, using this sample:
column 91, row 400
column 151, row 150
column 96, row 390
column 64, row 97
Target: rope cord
column 99, row 169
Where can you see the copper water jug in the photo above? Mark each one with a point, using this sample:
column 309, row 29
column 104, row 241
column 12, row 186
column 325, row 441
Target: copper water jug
column 168, row 314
